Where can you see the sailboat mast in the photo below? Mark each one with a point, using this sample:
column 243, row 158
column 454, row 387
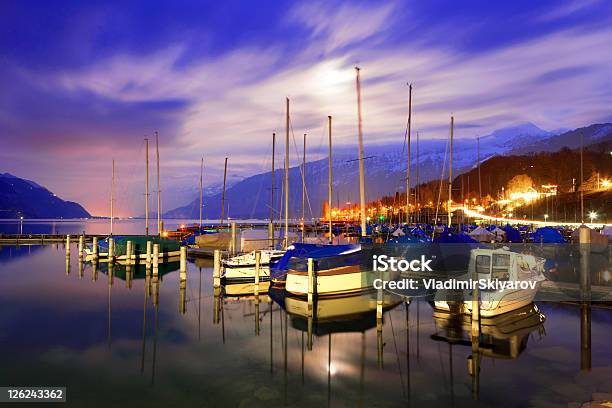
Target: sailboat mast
column 223, row 192
column 112, row 200
column 450, row 171
column 147, row 187
column 286, row 240
column 361, row 171
column 581, row 178
column 303, row 184
column 201, row 188
column 408, row 154
column 329, row 198
column 159, row 227
column 479, row 183
column 272, row 176
column 417, row 192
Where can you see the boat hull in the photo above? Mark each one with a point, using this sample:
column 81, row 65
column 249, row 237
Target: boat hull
column 337, row 281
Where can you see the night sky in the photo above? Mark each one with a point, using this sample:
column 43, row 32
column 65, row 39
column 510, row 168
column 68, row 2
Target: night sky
column 84, row 82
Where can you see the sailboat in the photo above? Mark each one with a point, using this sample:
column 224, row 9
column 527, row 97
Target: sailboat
column 336, row 268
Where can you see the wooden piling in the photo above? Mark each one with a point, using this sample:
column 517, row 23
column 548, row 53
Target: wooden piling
column 233, row 242
column 257, row 271
column 311, row 281
column 155, row 260
column 94, row 248
column 67, row 245
column 217, row 268
column 81, row 246
column 149, row 249
column 111, row 250
column 128, row 253
column 183, row 267
column 271, row 235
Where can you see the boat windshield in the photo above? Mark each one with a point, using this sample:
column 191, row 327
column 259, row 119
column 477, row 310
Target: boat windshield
column 501, row 266
column 483, row 264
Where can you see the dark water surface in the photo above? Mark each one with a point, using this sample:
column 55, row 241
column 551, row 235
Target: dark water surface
column 111, row 345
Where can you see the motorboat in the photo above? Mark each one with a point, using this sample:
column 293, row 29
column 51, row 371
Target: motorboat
column 516, row 278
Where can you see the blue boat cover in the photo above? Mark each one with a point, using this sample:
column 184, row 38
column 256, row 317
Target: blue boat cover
column 547, row 235
column 448, row 238
column 512, row 234
column 305, row 251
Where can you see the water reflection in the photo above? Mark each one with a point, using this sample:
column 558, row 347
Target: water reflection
column 240, row 346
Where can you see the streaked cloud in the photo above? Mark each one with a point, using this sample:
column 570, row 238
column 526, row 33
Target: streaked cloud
column 228, row 102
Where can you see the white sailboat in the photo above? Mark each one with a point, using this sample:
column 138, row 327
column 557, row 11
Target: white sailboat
column 242, row 267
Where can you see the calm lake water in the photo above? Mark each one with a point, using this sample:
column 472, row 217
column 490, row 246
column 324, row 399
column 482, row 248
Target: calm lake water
column 113, row 345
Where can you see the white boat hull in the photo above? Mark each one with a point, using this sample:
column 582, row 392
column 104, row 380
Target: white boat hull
column 348, row 279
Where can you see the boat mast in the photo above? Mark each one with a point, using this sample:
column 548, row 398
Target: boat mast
column 159, row 222
column 201, row 188
column 303, row 184
column 450, row 171
column 147, row 187
column 479, row 183
column 581, row 178
column 329, row 199
column 272, row 186
column 112, row 200
column 286, row 240
column 408, row 154
column 223, row 192
column 361, row 171
column 417, row 192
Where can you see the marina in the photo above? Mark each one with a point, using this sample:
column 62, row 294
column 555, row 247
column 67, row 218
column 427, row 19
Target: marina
column 306, row 204
column 357, row 351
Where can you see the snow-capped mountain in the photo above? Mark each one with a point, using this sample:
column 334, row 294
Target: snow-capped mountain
column 385, row 170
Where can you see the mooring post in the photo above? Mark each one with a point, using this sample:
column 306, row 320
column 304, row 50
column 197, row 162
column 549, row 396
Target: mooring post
column 95, row 247
column 67, row 245
column 233, row 242
column 81, row 246
column 183, row 268
column 128, row 253
column 311, row 281
column 271, row 235
column 155, row 260
column 148, row 258
column 257, row 271
column 217, row 268
column 111, row 250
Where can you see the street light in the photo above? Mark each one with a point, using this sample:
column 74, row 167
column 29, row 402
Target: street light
column 21, row 225
column 592, row 216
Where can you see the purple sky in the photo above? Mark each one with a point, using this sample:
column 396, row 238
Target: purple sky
column 84, row 83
